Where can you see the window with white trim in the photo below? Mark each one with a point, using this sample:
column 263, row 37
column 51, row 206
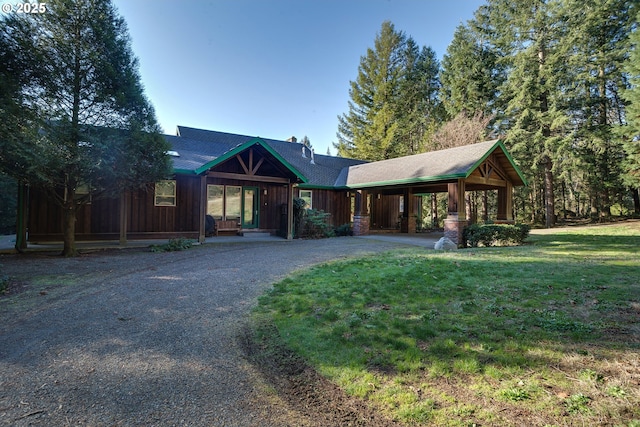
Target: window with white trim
column 306, row 195
column 165, row 194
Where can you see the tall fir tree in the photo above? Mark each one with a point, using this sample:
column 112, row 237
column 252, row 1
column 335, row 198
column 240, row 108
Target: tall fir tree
column 471, row 74
column 631, row 131
column 597, row 46
column 368, row 130
column 394, row 104
column 83, row 83
column 527, row 34
column 419, row 109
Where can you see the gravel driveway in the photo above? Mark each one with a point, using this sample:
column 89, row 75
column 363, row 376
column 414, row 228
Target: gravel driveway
column 130, row 337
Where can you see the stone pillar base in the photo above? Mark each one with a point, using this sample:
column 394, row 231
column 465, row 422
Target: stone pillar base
column 453, row 228
column 408, row 225
column 360, row 225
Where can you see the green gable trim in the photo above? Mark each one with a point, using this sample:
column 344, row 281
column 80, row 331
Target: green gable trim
column 407, row 181
column 184, row 172
column 242, row 147
column 500, row 144
column 321, row 187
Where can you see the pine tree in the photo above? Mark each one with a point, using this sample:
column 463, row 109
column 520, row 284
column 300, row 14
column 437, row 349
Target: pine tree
column 470, row 74
column 419, row 109
column 631, row 132
column 527, row 35
column 598, row 45
column 368, row 130
column 83, row 83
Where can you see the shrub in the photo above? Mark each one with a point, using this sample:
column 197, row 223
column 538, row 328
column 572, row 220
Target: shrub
column 298, row 216
column 344, row 230
column 178, row 244
column 494, row 234
column 4, row 284
column 316, row 224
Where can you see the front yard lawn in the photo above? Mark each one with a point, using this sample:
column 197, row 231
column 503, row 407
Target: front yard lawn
column 543, row 334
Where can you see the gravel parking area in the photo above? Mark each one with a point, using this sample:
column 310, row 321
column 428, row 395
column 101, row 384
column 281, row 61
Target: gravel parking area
column 130, row 337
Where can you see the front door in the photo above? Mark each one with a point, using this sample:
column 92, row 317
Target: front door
column 250, row 207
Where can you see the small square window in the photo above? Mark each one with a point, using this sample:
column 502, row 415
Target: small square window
column 306, row 196
column 165, row 193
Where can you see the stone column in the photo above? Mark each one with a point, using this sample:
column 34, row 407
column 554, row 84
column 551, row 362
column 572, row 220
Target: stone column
column 456, row 219
column 361, row 214
column 360, row 225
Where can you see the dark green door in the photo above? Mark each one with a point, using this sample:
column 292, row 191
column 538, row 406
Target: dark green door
column 250, row 207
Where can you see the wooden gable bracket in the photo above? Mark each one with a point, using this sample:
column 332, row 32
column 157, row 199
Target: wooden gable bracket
column 250, row 169
column 489, row 172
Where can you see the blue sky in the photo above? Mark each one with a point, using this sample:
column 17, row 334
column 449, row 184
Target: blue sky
column 270, row 68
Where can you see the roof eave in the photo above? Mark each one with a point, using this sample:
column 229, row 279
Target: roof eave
column 498, row 144
column 240, row 148
column 406, row 181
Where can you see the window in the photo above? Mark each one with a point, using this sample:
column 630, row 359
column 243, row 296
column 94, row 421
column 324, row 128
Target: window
column 306, row 196
column 215, row 201
column 233, row 202
column 165, row 193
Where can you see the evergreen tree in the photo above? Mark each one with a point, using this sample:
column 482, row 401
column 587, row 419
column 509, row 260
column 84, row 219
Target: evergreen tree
column 368, row 130
column 470, row 75
column 73, row 80
column 419, row 110
column 394, row 105
column 597, row 47
column 527, row 35
column 631, row 132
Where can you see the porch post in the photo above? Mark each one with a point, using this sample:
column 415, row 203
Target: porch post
column 124, row 208
column 456, row 219
column 361, row 214
column 505, row 203
column 203, row 209
column 408, row 223
column 289, row 211
column 21, row 219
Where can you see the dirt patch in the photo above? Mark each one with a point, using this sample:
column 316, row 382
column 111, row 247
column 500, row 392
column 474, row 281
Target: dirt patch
column 310, row 394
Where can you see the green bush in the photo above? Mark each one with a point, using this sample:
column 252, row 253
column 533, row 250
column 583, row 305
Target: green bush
column 316, row 224
column 178, row 244
column 4, row 284
column 299, row 213
column 494, row 234
column 344, row 230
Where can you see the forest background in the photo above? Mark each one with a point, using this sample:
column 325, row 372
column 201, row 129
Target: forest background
column 557, row 80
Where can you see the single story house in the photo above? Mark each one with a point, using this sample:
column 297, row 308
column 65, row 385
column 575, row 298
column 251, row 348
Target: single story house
column 249, row 183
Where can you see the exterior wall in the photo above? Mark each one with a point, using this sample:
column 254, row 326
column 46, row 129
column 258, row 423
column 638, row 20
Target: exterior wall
column 100, row 220
column 337, row 203
column 385, row 211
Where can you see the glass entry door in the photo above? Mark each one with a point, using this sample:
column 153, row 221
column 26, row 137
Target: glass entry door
column 250, row 207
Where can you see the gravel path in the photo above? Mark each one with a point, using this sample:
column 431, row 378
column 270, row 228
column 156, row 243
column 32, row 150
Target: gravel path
column 130, row 337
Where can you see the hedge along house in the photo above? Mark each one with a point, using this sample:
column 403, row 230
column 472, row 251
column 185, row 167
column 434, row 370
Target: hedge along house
column 250, row 183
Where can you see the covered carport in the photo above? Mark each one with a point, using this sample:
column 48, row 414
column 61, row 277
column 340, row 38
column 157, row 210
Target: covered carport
column 478, row 167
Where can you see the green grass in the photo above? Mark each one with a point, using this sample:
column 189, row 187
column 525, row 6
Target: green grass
column 548, row 330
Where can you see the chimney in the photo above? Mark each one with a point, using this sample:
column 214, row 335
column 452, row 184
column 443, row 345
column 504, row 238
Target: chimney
column 292, row 139
column 312, row 161
column 304, row 156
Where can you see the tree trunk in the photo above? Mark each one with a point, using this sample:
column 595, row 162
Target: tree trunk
column 635, row 194
column 550, row 214
column 485, row 206
column 434, row 210
column 69, row 224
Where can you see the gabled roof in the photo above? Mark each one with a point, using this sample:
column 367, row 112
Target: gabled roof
column 199, row 150
column 443, row 165
column 211, row 147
